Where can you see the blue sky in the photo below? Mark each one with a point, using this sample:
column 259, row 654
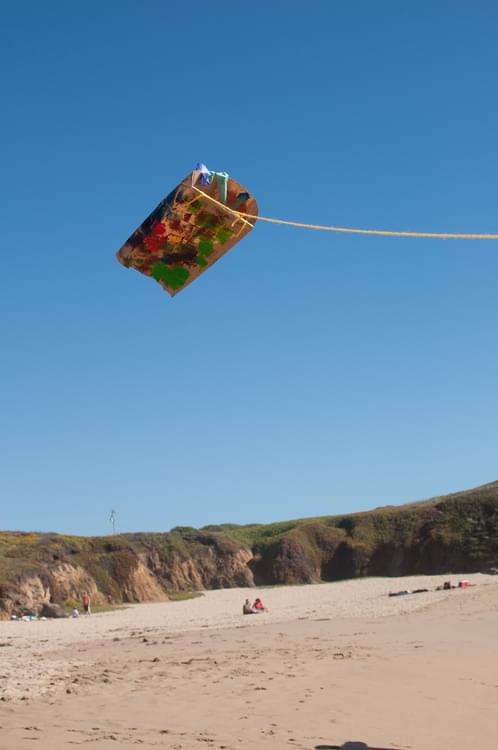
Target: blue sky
column 306, row 373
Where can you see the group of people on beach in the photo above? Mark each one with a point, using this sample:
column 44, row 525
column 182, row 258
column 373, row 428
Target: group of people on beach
column 446, row 586
column 87, row 606
column 253, row 609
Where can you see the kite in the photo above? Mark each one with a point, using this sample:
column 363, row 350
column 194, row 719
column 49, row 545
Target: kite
column 197, row 223
column 202, row 219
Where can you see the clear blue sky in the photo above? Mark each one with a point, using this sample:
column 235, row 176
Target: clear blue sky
column 306, row 373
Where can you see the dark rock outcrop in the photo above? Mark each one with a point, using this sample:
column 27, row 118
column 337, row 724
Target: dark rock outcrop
column 52, row 610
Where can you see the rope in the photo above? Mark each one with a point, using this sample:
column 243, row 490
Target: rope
column 348, row 230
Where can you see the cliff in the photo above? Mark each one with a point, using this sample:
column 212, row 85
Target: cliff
column 456, row 533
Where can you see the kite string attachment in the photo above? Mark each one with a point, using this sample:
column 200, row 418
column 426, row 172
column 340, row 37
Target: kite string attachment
column 349, row 230
column 236, row 214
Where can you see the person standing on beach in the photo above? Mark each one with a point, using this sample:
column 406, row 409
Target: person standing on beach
column 87, row 604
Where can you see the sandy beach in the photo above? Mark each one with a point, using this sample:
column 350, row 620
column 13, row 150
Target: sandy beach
column 328, row 664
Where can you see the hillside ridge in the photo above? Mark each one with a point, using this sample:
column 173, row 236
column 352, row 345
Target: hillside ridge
column 46, row 572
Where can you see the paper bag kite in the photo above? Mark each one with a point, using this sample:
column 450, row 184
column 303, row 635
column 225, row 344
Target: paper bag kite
column 190, row 229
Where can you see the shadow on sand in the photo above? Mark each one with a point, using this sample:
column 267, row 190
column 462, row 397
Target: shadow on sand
column 349, row 746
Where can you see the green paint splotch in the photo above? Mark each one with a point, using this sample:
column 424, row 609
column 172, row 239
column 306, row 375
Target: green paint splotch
column 223, row 235
column 174, row 278
column 206, row 246
column 194, row 207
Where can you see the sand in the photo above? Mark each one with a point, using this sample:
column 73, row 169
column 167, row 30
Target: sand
column 328, row 664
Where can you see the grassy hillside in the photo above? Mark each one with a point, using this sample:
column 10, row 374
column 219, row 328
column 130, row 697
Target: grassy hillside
column 455, row 532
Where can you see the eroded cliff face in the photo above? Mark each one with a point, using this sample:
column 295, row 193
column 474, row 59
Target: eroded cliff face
column 453, row 534
column 70, row 582
column 142, row 586
column 207, row 569
column 119, row 570
column 29, row 592
column 26, row 594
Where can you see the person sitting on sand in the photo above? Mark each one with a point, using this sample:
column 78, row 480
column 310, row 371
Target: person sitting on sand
column 447, row 585
column 258, row 606
column 465, row 584
column 246, row 608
